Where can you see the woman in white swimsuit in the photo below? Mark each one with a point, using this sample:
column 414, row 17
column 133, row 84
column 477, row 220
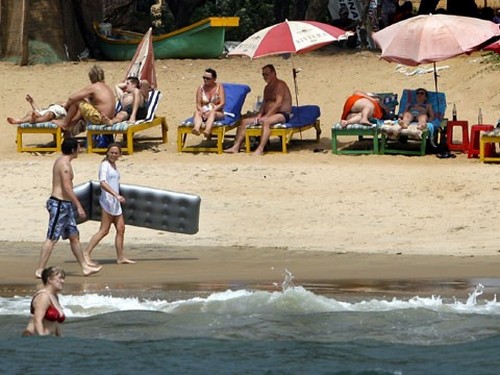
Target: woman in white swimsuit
column 111, row 209
column 210, row 100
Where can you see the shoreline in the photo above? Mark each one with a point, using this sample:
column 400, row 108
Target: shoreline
column 202, row 269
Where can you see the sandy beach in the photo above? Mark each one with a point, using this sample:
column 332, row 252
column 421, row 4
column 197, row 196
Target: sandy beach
column 319, row 215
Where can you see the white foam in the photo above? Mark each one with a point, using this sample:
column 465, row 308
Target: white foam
column 292, row 300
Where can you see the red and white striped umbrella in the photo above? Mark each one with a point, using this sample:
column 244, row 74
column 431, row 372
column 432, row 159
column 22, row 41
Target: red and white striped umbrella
column 289, row 37
column 495, row 47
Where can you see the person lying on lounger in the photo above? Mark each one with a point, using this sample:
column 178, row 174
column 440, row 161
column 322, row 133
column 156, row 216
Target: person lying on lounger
column 360, row 107
column 52, row 113
column 420, row 111
column 133, row 102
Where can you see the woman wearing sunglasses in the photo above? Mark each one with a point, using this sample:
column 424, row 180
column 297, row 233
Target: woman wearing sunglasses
column 210, row 100
column 419, row 111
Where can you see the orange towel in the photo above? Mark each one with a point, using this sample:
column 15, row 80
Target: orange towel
column 377, row 112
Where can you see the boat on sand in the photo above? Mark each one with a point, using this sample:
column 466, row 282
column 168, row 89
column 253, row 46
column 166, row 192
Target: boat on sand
column 201, row 40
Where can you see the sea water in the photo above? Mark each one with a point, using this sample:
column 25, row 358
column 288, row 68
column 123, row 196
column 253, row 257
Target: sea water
column 290, row 330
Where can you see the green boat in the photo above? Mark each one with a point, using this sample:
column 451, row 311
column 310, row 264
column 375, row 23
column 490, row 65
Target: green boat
column 201, row 40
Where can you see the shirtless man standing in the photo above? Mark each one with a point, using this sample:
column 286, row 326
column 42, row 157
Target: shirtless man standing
column 94, row 103
column 276, row 107
column 62, row 222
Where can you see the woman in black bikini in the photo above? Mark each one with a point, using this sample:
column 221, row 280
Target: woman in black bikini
column 46, row 311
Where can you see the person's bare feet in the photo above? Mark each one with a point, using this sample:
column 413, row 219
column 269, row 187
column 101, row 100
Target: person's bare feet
column 258, row 153
column 89, row 261
column 38, row 274
column 232, row 150
column 365, row 122
column 88, row 270
column 125, row 261
column 343, row 123
column 106, row 120
column 13, row 121
column 195, row 131
column 208, row 135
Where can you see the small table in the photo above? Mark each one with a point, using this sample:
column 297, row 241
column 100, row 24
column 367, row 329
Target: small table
column 485, row 141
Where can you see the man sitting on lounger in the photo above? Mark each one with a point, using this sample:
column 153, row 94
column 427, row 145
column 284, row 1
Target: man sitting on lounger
column 94, row 103
column 276, row 107
column 360, row 107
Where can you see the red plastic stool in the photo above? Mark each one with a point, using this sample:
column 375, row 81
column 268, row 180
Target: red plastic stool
column 475, row 135
column 464, row 145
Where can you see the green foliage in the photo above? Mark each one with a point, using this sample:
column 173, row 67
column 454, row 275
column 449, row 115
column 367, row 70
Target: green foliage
column 254, row 15
column 492, row 59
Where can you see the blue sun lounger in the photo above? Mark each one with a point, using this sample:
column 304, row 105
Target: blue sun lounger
column 303, row 118
column 423, row 140
column 235, row 98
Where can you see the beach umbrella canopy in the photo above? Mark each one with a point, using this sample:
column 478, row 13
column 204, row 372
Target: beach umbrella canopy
column 431, row 38
column 142, row 64
column 289, row 37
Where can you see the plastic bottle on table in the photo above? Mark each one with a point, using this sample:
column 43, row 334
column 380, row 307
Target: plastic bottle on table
column 480, row 117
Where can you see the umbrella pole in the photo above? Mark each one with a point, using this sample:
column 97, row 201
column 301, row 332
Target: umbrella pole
column 294, row 72
column 435, row 77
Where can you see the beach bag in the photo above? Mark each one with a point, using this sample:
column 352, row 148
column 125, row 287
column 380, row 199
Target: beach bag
column 102, row 140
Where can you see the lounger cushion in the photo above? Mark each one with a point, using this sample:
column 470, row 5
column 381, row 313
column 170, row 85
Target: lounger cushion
column 301, row 116
column 154, row 99
column 40, row 125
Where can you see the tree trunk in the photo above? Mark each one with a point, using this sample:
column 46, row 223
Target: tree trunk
column 316, row 10
column 182, row 10
column 466, row 8
column 427, row 6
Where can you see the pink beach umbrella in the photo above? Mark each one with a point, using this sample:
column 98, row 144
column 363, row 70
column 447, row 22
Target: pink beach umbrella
column 289, row 37
column 431, row 38
column 142, row 65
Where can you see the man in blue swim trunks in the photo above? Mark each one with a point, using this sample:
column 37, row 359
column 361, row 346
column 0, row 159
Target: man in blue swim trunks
column 276, row 107
column 61, row 205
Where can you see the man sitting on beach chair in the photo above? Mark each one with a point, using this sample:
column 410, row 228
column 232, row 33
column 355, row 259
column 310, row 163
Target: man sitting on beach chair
column 276, row 107
column 94, row 103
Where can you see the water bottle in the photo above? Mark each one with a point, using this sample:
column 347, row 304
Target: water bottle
column 454, row 112
column 480, row 117
column 258, row 104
